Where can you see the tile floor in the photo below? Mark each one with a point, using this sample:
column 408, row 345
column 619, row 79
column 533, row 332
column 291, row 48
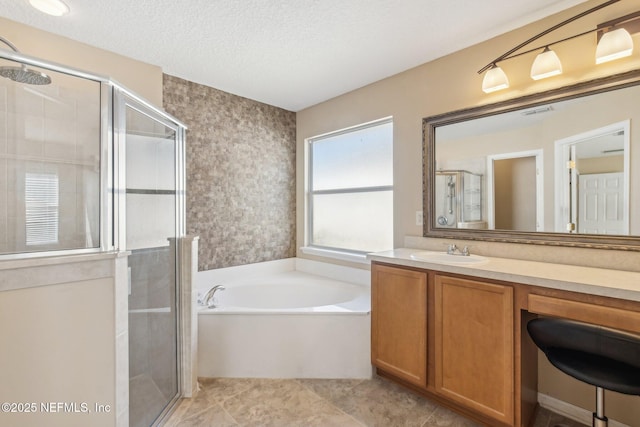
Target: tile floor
column 315, row 402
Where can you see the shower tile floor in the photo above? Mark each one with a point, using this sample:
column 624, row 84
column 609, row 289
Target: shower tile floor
column 317, row 402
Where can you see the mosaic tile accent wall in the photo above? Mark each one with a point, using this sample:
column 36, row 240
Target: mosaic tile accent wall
column 240, row 174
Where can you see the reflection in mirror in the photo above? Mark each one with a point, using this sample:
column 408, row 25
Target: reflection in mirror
column 539, row 166
column 515, row 194
column 459, row 199
column 593, row 190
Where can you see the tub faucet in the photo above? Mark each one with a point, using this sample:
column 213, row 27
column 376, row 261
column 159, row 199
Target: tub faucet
column 208, row 299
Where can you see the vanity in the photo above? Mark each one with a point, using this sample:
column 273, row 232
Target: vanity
column 554, row 172
column 456, row 331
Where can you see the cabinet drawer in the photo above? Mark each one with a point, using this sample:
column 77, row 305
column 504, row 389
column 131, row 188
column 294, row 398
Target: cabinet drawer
column 585, row 312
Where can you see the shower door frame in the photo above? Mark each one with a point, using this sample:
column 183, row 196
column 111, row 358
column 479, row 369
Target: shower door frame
column 124, row 99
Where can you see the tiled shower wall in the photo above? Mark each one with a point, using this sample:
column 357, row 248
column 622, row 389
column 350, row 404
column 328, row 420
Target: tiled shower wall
column 240, row 174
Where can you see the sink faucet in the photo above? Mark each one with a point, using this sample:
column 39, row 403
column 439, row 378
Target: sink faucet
column 452, row 249
column 208, row 299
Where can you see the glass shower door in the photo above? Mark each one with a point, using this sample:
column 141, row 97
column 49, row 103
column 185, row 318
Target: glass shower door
column 152, row 218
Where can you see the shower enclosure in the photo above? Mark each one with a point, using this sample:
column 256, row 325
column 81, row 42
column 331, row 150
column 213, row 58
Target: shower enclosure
column 458, row 199
column 87, row 166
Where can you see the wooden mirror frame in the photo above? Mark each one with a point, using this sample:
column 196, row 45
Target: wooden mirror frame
column 429, row 125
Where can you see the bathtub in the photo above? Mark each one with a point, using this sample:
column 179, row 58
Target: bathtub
column 287, row 324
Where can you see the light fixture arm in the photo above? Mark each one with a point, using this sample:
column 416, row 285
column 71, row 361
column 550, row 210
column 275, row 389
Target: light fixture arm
column 535, row 49
column 509, row 53
column 8, row 43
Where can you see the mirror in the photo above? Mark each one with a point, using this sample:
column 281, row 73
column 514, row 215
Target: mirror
column 552, row 168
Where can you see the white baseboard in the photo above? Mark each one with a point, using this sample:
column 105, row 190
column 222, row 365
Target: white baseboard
column 571, row 411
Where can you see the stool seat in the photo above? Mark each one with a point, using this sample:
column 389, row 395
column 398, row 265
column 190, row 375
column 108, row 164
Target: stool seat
column 597, row 370
column 599, row 356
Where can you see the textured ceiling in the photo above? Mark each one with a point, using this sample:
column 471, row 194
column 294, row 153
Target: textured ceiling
column 287, row 53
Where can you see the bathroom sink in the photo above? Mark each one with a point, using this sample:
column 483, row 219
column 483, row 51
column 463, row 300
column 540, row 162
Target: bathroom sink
column 445, row 258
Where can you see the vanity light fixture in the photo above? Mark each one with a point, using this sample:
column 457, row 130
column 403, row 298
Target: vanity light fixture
column 614, row 42
column 494, row 79
column 614, row 45
column 546, row 64
column 50, row 7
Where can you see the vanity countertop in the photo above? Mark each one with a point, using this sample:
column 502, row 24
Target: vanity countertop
column 588, row 280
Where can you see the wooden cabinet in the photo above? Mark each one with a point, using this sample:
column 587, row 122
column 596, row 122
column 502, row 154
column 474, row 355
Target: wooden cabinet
column 399, row 322
column 474, row 345
column 463, row 342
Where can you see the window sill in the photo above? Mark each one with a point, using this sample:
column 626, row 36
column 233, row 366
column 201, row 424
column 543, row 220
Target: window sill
column 335, row 254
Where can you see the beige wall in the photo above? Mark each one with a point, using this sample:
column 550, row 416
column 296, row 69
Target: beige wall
column 143, row 79
column 451, row 83
column 448, row 84
column 607, row 164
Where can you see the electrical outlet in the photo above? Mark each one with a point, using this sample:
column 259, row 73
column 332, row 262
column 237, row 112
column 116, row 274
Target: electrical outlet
column 418, row 217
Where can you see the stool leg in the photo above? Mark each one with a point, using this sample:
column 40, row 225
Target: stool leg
column 599, row 420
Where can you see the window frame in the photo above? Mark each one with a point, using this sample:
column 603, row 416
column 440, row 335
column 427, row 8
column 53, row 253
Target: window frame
column 330, row 251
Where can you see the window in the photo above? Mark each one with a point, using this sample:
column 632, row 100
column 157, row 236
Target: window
column 41, row 203
column 350, row 189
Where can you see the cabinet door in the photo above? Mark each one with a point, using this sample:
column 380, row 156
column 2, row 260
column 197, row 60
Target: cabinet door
column 474, row 345
column 399, row 323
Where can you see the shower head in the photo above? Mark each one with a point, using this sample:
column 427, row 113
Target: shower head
column 22, row 74
column 25, row 75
